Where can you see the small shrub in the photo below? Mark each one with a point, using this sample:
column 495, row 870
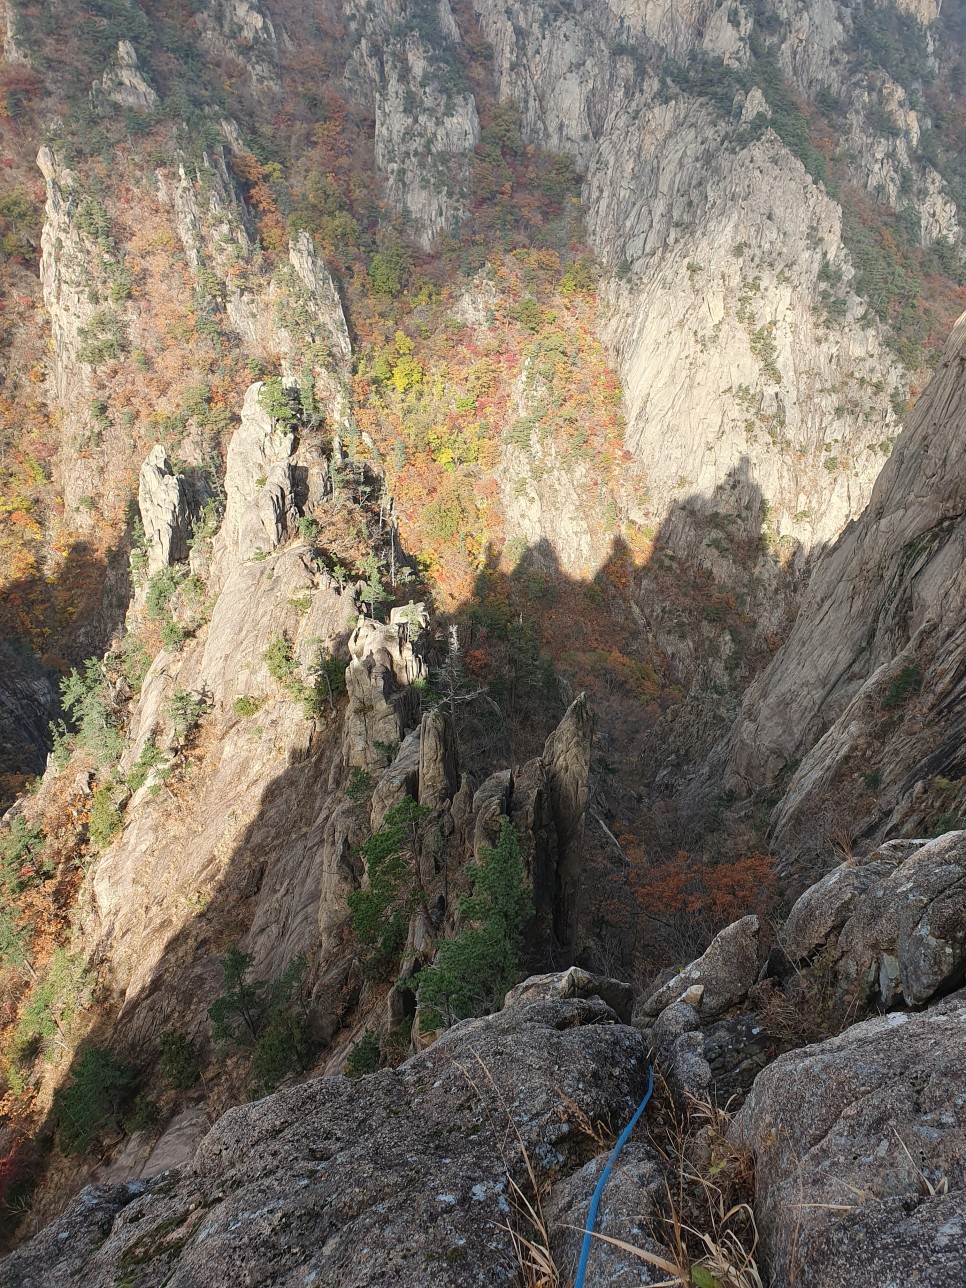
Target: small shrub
column 308, row 530
column 184, row 709
column 86, row 696
column 279, row 657
column 148, row 762
column 283, row 1047
column 91, row 1103
column 281, row 404
column 363, row 1057
column 22, row 856
column 328, row 684
column 237, row 1015
column 105, row 820
column 380, row 910
column 173, row 635
column 135, row 660
column 14, row 940
column 246, row 706
column 142, row 1115
column 48, row 1014
column 903, row 686
column 270, row 1018
column 180, row 1067
column 359, row 786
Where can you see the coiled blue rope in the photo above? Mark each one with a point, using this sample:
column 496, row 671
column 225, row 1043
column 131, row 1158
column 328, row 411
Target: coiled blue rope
column 622, row 1140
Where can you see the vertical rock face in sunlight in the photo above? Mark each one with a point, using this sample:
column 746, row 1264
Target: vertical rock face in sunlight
column 163, row 506
column 871, row 677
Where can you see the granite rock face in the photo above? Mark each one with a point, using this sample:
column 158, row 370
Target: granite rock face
column 163, row 505
column 401, row 1178
column 868, row 690
column 125, row 84
column 859, row 1147
column 719, row 978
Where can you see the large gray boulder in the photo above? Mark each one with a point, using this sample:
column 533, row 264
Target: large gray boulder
column 859, row 1146
column 719, row 978
column 574, row 982
column 401, row 1178
column 820, row 913
column 907, row 939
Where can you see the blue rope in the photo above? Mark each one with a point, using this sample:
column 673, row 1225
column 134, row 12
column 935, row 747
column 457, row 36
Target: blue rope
column 622, row 1140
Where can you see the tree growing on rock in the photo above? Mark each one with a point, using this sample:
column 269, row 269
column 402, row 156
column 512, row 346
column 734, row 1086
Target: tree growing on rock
column 472, row 973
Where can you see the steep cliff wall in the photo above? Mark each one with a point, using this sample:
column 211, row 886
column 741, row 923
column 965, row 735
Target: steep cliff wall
column 860, row 714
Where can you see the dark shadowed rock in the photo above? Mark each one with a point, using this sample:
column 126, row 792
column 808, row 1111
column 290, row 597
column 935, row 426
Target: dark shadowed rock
column 566, row 759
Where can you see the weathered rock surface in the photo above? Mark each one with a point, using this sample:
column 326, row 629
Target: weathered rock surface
column 824, row 908
column 635, row 1198
column 887, row 932
column 163, row 504
column 860, row 1154
column 385, row 659
column 259, row 508
column 124, row 83
column 405, row 65
column 679, row 1052
column 574, row 983
column 401, row 1178
column 869, row 687
column 720, row 977
column 907, row 939
column 243, row 31
column 566, row 760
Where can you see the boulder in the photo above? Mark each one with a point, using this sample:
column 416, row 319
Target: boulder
column 725, row 971
column 679, row 1052
column 401, row 1178
column 574, row 983
column 906, row 939
column 632, row 1202
column 860, row 1154
column 822, row 911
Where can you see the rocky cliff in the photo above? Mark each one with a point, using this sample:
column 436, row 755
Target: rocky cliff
column 859, row 716
column 475, row 1160
column 442, row 449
